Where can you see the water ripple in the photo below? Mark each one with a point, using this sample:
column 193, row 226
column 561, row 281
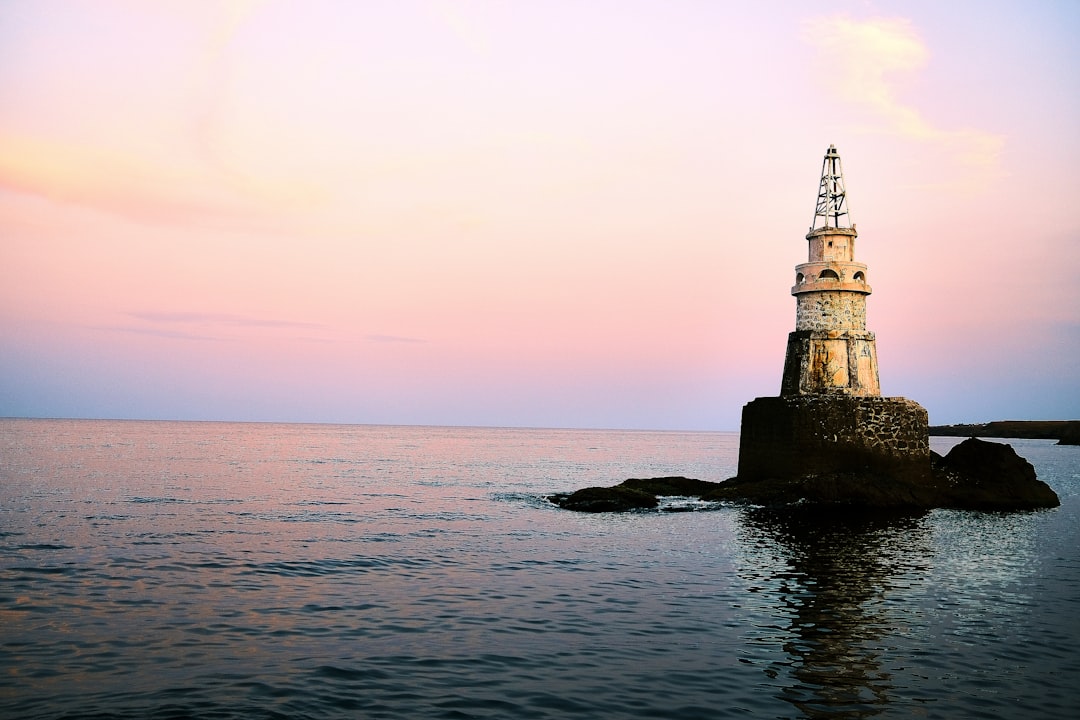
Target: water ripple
column 261, row 571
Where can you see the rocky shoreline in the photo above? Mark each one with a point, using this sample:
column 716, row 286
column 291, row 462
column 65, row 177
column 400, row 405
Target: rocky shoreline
column 974, row 475
column 1066, row 432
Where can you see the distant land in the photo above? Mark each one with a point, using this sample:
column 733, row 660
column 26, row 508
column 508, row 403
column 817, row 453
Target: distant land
column 1066, row 432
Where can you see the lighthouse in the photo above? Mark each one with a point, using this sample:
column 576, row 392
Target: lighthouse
column 831, row 351
column 830, row 419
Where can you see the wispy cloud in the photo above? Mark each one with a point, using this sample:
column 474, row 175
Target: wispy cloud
column 203, row 326
column 157, row 332
column 144, row 188
column 178, row 177
column 200, row 318
column 394, row 339
column 864, row 60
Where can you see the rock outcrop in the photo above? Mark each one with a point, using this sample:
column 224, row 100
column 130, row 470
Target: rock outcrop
column 974, row 475
column 632, row 494
column 605, row 499
column 981, row 475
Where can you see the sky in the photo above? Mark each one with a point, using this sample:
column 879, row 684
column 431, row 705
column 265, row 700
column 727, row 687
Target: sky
column 515, row 213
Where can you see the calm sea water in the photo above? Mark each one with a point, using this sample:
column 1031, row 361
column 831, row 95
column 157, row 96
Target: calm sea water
column 215, row 570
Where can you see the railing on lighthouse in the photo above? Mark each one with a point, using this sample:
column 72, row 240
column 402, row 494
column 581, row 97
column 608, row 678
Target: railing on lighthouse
column 832, row 205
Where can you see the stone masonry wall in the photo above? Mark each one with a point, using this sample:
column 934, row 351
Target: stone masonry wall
column 830, row 311
column 790, row 437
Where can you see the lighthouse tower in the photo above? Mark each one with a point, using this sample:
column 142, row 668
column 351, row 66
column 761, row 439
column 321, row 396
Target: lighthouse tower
column 831, row 350
column 830, row 418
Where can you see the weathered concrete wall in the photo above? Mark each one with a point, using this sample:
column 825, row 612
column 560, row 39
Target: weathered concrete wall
column 843, row 362
column 832, row 245
column 791, row 437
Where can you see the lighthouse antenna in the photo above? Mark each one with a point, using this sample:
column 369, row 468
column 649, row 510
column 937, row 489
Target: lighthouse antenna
column 832, row 205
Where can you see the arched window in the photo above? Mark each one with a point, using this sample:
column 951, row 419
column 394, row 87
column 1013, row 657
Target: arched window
column 859, row 277
column 799, row 278
column 828, row 274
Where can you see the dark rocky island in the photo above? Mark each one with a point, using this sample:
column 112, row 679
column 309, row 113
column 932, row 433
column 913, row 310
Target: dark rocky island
column 974, row 475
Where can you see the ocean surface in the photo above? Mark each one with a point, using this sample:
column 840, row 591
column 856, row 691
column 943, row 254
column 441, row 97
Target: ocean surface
column 227, row 570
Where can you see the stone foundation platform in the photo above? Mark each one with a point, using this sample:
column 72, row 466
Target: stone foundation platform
column 850, row 453
column 814, row 435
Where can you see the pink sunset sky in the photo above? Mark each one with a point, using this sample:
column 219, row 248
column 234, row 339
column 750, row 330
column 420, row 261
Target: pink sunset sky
column 569, row 214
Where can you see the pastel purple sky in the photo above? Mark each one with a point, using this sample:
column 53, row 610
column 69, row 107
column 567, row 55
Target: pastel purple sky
column 572, row 214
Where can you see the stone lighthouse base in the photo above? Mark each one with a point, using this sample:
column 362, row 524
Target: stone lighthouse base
column 813, row 436
column 816, row 452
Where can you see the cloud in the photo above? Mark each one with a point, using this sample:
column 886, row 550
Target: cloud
column 456, row 19
column 864, row 61
column 159, row 159
column 144, row 188
column 157, row 332
column 394, row 339
column 197, row 318
column 205, row 326
column 108, row 180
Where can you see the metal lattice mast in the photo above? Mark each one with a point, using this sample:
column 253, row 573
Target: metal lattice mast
column 832, row 206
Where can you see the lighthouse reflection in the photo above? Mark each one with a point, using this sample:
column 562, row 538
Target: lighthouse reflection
column 832, row 574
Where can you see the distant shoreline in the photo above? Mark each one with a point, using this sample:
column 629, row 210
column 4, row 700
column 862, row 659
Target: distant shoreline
column 1066, row 432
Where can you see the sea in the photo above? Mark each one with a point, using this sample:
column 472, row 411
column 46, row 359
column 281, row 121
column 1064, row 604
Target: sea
column 235, row 570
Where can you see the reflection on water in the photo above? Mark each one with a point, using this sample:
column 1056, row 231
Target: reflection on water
column 831, row 575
